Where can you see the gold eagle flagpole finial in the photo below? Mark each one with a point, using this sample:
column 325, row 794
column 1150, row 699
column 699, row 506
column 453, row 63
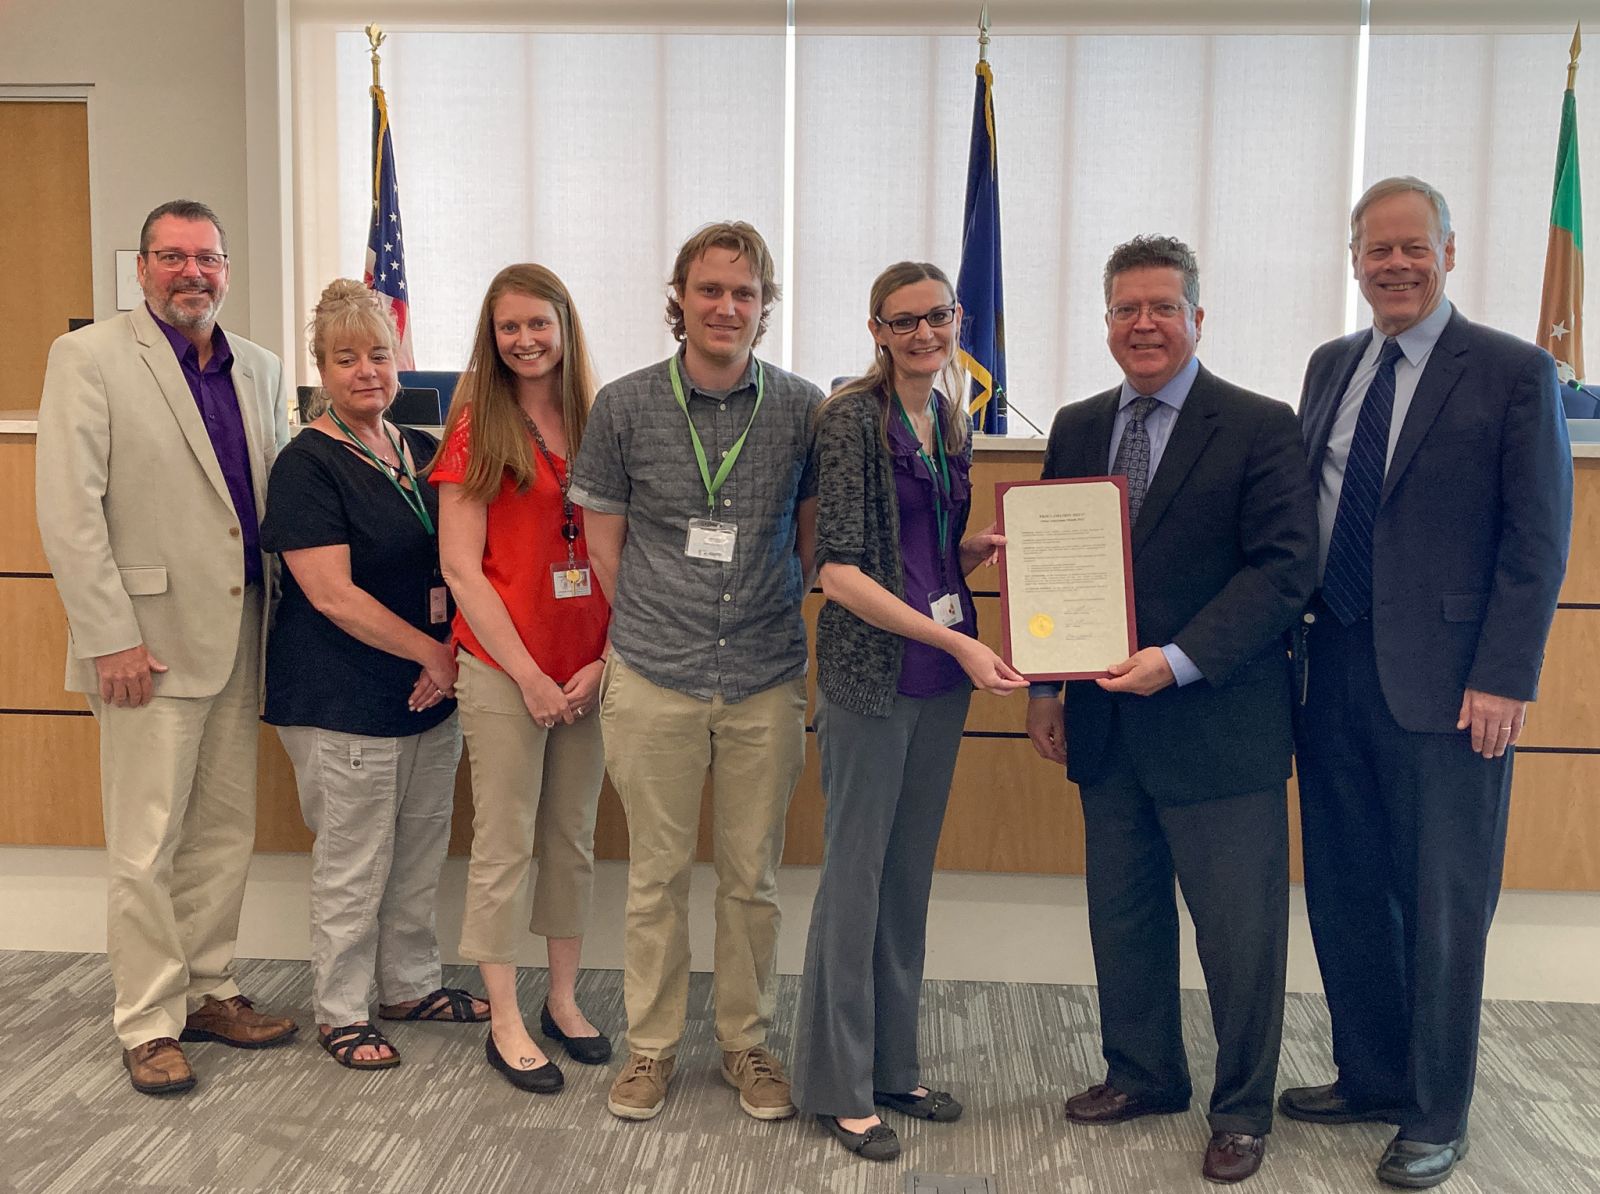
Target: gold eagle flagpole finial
column 375, row 38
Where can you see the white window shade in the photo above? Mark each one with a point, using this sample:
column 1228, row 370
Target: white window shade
column 1237, row 144
column 1477, row 116
column 595, row 154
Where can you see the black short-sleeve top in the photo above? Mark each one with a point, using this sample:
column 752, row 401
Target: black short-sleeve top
column 321, row 494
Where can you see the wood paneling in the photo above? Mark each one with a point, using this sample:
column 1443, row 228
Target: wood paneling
column 1567, row 713
column 44, row 208
column 20, row 549
column 1009, row 810
column 33, row 647
column 1583, row 566
column 50, row 774
column 1553, row 838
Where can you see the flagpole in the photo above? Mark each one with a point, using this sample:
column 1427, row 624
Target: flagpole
column 375, row 38
column 385, row 261
column 1560, row 330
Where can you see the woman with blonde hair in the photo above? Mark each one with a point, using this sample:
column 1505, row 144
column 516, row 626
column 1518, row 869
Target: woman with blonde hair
column 359, row 680
column 531, row 633
column 897, row 659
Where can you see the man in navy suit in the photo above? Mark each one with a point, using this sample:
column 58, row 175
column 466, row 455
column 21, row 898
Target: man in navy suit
column 1444, row 482
column 1182, row 754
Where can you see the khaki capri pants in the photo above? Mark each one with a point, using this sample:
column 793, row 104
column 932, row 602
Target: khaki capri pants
column 529, row 785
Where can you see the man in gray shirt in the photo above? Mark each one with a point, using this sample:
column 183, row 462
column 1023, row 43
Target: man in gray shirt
column 695, row 476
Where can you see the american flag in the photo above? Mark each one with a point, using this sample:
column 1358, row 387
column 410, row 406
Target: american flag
column 386, row 259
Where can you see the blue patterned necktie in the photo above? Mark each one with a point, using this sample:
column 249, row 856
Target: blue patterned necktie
column 1133, row 454
column 1347, row 578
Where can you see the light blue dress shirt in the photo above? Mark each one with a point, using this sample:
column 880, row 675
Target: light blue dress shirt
column 1416, row 346
column 1158, row 426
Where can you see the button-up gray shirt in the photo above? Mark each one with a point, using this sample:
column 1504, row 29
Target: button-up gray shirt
column 703, row 627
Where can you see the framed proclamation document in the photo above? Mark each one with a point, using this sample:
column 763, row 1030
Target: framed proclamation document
column 1066, row 576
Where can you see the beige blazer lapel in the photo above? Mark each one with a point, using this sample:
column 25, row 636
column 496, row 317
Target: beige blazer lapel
column 168, row 375
column 250, row 410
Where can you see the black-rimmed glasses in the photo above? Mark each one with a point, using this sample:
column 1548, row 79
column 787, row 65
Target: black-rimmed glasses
column 904, row 325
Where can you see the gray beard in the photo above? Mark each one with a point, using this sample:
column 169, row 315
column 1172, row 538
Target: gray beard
column 175, row 315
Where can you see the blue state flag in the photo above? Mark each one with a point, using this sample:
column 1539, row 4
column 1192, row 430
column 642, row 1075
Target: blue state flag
column 979, row 288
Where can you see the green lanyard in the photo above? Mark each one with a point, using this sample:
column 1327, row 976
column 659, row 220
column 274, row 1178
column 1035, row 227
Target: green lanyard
column 941, row 476
column 714, row 484
column 413, row 496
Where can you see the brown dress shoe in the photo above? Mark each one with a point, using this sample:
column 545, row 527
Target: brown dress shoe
column 158, row 1067
column 1232, row 1156
column 1104, row 1104
column 235, row 1022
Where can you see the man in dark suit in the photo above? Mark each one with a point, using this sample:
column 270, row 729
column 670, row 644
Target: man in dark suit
column 1444, row 483
column 1182, row 753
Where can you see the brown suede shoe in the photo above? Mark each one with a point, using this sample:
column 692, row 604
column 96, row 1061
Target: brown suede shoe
column 1232, row 1156
column 158, row 1067
column 758, row 1077
column 235, row 1022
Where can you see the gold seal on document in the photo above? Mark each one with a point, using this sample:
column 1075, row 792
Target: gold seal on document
column 1041, row 626
column 573, row 576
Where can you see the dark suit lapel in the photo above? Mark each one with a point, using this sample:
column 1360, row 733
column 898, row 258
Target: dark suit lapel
column 1096, row 447
column 1319, row 419
column 1444, row 367
column 1195, row 425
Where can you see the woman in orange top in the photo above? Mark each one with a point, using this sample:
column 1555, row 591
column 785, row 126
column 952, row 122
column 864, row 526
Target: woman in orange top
column 531, row 633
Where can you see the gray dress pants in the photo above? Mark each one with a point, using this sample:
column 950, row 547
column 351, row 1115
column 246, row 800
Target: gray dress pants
column 886, row 781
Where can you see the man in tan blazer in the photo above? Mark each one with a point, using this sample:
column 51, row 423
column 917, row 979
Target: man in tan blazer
column 156, row 436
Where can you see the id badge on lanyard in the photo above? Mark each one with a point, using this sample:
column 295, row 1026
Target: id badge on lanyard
column 711, row 538
column 570, row 580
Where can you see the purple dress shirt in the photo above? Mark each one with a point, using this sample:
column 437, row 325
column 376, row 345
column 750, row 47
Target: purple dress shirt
column 930, row 567
column 218, row 401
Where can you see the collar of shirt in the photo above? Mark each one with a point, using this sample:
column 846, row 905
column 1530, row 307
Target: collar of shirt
column 188, row 355
column 1173, row 394
column 1417, row 341
column 747, row 379
column 902, row 440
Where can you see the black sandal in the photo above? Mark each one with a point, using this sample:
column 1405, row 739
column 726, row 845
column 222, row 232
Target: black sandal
column 447, row 1005
column 940, row 1106
column 341, row 1045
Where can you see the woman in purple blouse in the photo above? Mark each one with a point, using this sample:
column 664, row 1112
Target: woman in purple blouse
column 897, row 659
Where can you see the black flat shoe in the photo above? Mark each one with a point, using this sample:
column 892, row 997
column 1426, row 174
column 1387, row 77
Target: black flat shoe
column 546, row 1079
column 1416, row 1164
column 877, row 1143
column 586, row 1050
column 938, row 1105
column 1329, row 1105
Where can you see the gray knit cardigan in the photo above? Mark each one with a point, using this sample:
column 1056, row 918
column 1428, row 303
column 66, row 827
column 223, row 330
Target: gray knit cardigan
column 858, row 522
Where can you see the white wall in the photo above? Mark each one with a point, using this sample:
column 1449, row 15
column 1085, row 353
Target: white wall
column 167, row 120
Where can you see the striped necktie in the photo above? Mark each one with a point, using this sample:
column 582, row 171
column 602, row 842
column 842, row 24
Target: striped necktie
column 1347, row 578
column 1133, row 454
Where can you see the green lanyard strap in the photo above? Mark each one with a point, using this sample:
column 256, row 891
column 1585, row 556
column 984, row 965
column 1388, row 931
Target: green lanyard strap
column 940, row 475
column 714, row 484
column 413, row 496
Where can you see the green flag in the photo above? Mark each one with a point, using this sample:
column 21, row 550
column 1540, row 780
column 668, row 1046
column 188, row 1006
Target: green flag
column 1561, row 308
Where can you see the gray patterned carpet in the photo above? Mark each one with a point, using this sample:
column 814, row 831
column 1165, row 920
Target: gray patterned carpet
column 288, row 1119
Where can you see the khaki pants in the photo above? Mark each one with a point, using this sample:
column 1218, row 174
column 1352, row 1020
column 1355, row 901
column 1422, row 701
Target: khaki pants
column 659, row 745
column 380, row 808
column 529, row 784
column 178, row 792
